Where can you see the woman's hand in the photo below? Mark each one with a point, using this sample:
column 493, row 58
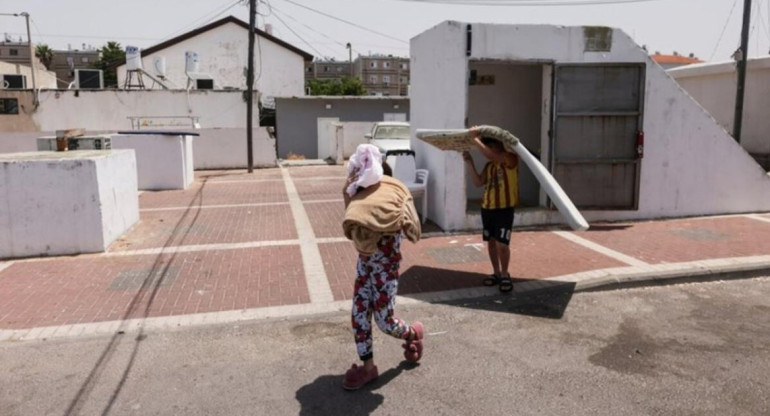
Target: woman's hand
column 467, row 156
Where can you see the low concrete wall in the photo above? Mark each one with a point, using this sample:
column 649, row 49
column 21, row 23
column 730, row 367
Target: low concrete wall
column 222, row 114
column 713, row 86
column 66, row 203
column 163, row 161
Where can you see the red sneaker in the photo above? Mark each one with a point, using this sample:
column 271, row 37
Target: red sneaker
column 357, row 377
column 413, row 348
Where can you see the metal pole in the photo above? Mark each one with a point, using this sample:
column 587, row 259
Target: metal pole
column 31, row 60
column 738, row 120
column 350, row 58
column 250, row 86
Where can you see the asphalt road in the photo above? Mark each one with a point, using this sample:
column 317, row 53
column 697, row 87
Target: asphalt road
column 694, row 349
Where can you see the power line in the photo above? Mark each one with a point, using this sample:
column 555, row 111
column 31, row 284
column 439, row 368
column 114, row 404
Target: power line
column 297, row 35
column 727, row 21
column 218, row 11
column 345, row 21
column 314, row 30
column 277, row 14
column 529, row 2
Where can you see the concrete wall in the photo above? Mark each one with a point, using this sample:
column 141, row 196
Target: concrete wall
column 43, row 78
column 222, row 143
column 297, row 118
column 54, row 204
column 223, row 53
column 691, row 165
column 713, row 86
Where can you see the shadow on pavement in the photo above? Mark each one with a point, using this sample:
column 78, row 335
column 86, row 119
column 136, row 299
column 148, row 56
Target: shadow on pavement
column 530, row 297
column 607, row 227
column 325, row 395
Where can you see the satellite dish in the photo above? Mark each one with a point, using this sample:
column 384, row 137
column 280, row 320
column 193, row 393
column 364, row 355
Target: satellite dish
column 159, row 63
column 133, row 58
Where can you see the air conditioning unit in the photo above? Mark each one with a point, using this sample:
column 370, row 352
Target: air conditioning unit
column 98, row 142
column 13, row 82
column 89, row 79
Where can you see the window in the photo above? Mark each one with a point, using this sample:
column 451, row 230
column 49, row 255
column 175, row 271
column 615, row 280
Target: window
column 404, row 65
column 373, row 79
column 9, row 106
column 386, row 79
column 84, row 59
column 373, row 64
column 14, row 52
column 386, row 64
column 326, row 69
column 403, row 80
column 309, row 69
column 339, row 69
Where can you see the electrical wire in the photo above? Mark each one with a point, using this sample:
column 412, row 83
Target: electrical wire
column 727, row 21
column 218, row 11
column 529, row 2
column 346, row 22
column 316, row 31
column 298, row 36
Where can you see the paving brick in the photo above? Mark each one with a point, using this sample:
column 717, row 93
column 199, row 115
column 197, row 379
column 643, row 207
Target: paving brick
column 212, row 193
column 239, row 174
column 209, row 226
column 326, row 218
column 97, row 289
column 311, row 190
column 316, row 171
column 430, row 267
column 684, row 240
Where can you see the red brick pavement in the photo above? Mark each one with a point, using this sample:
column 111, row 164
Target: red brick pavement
column 212, row 193
column 316, row 171
column 326, row 218
column 685, row 240
column 209, row 226
column 94, row 289
column 449, row 263
column 239, row 174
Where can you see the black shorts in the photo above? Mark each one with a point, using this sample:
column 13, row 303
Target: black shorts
column 497, row 224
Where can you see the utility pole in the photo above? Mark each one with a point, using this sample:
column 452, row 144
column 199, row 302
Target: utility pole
column 743, row 55
column 31, row 60
column 250, row 86
column 350, row 57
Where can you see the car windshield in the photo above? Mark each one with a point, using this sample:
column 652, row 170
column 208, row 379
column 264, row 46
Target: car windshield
column 392, row 132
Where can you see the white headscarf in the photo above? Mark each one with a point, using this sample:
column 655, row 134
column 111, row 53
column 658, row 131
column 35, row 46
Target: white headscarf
column 367, row 165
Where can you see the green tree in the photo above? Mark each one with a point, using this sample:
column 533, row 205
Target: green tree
column 343, row 86
column 110, row 56
column 45, row 54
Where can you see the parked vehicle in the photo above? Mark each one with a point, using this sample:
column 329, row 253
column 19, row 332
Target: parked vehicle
column 390, row 135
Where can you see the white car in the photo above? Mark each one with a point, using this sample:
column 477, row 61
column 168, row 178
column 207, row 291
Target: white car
column 390, row 135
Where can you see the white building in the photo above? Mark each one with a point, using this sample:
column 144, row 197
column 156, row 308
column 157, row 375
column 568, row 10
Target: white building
column 222, row 47
column 620, row 136
column 714, row 86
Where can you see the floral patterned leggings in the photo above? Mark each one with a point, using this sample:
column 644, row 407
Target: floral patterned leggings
column 375, row 294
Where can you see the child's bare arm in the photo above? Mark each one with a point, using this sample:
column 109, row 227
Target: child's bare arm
column 475, row 177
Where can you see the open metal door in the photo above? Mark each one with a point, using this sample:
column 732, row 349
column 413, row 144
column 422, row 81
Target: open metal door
column 597, row 137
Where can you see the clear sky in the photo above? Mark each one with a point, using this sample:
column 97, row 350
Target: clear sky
column 685, row 26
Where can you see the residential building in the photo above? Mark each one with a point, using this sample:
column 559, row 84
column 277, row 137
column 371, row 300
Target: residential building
column 675, row 60
column 325, row 70
column 222, row 57
column 385, row 75
column 65, row 62
column 14, row 52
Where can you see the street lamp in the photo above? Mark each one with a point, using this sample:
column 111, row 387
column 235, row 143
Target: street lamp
column 350, row 57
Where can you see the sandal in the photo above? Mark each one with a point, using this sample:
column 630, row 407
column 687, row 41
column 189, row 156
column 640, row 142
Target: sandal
column 491, row 280
column 357, row 377
column 413, row 348
column 506, row 284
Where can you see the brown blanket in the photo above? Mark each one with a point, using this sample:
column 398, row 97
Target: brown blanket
column 381, row 209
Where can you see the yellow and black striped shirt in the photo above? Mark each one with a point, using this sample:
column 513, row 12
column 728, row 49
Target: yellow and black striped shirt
column 501, row 186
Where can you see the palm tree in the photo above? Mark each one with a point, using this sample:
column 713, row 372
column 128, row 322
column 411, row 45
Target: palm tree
column 45, row 54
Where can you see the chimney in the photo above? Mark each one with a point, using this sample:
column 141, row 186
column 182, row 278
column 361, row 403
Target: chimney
column 692, row 55
column 268, row 28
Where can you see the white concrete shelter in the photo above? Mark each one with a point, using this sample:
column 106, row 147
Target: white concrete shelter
column 621, row 137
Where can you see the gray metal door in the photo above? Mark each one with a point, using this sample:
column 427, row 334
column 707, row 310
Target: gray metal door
column 597, row 133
